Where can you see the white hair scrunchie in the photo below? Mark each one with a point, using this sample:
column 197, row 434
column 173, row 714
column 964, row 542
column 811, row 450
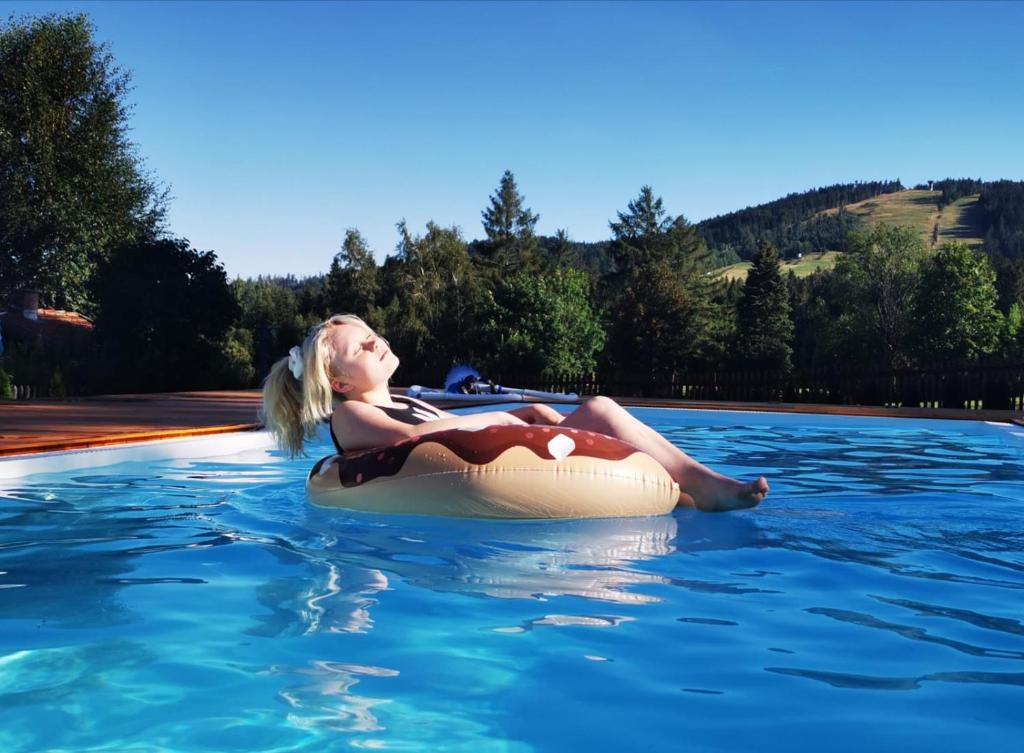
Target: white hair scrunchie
column 295, row 362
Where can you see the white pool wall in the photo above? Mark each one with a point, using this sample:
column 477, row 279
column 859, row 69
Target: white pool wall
column 192, row 448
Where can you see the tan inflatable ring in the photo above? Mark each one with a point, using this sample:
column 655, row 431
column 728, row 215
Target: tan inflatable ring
column 498, row 472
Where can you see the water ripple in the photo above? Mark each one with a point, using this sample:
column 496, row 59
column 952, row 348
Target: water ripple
column 869, row 682
column 273, row 625
column 1000, row 624
column 914, row 633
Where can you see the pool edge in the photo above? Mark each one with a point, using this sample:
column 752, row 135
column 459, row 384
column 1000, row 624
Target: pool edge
column 186, row 444
column 106, row 440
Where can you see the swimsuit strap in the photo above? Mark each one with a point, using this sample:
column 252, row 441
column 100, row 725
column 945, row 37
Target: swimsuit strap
column 413, row 415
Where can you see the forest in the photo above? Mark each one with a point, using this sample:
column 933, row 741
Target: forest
column 643, row 304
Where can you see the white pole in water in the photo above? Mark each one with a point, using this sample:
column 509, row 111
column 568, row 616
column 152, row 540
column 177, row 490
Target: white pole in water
column 424, row 393
column 553, row 396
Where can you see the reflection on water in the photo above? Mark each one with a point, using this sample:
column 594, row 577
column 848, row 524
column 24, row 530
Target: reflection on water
column 360, row 556
column 325, row 697
column 598, row 560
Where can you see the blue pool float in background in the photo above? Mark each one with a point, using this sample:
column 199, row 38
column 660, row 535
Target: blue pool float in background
column 465, row 383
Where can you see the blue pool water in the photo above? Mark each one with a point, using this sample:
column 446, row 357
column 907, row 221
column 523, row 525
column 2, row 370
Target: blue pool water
column 875, row 599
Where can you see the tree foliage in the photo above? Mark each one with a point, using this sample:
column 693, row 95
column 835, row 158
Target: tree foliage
column 1012, row 346
column 509, row 226
column 432, row 299
column 661, row 315
column 6, row 387
column 764, row 326
column 544, row 324
column 1002, row 205
column 165, row 312
column 71, row 185
column 880, row 274
column 643, row 223
column 1009, row 281
column 956, row 188
column 271, row 320
column 352, row 284
column 955, row 306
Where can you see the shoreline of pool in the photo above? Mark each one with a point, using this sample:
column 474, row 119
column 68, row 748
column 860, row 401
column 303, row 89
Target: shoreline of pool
column 47, row 426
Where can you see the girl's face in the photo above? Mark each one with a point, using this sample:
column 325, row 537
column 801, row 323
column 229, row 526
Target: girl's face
column 362, row 360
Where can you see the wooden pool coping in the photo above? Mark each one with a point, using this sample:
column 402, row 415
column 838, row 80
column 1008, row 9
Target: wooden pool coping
column 31, row 427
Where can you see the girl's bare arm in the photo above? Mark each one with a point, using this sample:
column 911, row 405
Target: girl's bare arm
column 360, row 425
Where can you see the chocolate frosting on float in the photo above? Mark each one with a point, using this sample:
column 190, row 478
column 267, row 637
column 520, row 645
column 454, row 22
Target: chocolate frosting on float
column 476, row 447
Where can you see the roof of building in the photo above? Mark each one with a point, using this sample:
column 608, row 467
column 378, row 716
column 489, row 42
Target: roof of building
column 50, row 324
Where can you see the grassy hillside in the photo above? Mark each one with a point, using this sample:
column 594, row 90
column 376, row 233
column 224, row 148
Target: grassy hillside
column 801, row 267
column 920, row 209
column 961, row 221
column 958, row 221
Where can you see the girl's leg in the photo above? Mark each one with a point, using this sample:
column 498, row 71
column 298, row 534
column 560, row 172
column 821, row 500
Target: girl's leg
column 700, row 486
column 538, row 413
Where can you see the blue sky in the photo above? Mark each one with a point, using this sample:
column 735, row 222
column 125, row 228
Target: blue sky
column 279, row 125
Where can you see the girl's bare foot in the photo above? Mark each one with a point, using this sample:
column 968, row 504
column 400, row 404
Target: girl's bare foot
column 721, row 494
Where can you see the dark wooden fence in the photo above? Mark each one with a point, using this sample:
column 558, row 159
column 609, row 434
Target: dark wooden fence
column 29, row 391
column 32, row 392
column 972, row 386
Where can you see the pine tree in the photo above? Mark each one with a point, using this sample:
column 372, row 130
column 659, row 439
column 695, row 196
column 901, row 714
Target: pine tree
column 644, row 218
column 352, row 284
column 662, row 314
column 561, row 251
column 511, row 243
column 764, row 334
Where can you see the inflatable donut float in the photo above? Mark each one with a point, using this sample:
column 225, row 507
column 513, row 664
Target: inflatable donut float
column 498, row 472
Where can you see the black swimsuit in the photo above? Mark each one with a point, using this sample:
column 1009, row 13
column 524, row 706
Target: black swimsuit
column 413, row 415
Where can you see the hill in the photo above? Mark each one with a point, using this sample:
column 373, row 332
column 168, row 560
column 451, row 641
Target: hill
column 795, row 224
column 986, row 215
column 922, row 209
column 962, row 220
column 936, row 215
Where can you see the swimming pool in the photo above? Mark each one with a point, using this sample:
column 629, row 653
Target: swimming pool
column 180, row 604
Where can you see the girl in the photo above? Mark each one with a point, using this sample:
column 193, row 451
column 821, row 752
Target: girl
column 343, row 358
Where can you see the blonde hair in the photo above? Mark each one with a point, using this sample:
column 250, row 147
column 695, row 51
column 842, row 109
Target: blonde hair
column 294, row 407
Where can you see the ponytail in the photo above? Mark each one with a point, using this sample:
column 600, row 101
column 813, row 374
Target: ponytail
column 294, row 406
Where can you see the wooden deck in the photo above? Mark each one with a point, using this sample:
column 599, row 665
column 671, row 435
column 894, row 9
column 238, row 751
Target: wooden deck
column 51, row 425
